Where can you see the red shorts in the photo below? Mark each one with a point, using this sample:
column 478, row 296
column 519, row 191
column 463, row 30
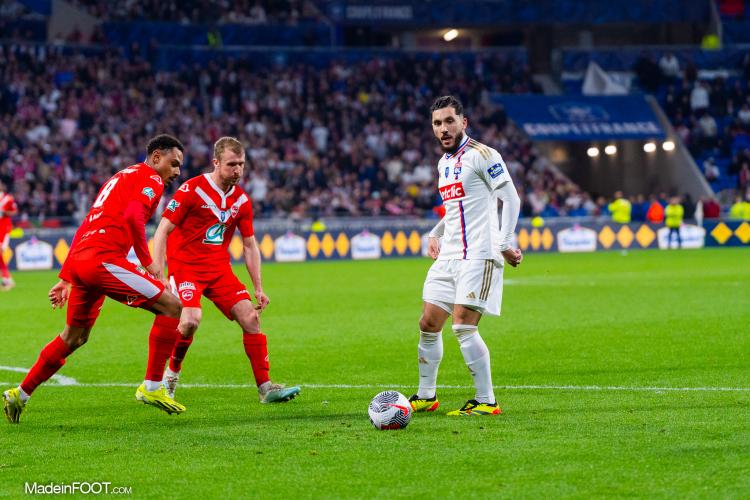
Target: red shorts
column 116, row 278
column 220, row 286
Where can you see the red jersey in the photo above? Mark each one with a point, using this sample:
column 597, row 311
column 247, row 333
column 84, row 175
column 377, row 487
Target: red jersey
column 7, row 204
column 105, row 228
column 206, row 217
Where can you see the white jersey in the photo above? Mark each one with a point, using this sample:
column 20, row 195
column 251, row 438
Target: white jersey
column 468, row 179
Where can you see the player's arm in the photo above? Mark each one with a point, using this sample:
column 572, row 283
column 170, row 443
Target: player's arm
column 166, row 226
column 251, row 253
column 11, row 211
column 511, row 209
column 498, row 179
column 433, row 240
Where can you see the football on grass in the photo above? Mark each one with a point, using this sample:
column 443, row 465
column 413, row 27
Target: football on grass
column 390, row 410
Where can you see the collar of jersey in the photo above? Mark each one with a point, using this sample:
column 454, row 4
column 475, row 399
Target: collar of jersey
column 463, row 145
column 221, row 193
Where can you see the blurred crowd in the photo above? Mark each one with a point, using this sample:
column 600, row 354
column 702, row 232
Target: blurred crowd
column 347, row 139
column 711, row 115
column 203, row 11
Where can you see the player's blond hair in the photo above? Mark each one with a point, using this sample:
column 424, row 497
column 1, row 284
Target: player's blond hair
column 230, row 143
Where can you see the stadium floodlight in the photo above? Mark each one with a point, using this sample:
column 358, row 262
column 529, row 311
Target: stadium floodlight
column 450, row 35
column 649, row 147
column 593, row 151
column 610, row 149
column 668, row 146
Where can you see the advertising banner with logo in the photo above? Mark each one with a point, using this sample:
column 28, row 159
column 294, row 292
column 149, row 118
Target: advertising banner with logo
column 409, row 239
column 582, row 118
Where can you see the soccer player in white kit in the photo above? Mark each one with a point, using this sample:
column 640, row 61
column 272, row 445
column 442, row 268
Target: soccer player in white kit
column 466, row 279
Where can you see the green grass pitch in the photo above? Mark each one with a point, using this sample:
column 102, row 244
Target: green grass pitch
column 606, row 364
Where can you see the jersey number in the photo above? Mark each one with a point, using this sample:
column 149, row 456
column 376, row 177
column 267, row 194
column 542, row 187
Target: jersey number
column 105, row 193
column 215, row 234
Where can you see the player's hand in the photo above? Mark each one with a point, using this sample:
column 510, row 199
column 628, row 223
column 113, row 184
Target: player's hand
column 433, row 247
column 157, row 272
column 513, row 256
column 262, row 299
column 58, row 294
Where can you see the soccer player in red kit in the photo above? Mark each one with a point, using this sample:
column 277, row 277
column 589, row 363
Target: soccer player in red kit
column 97, row 266
column 195, row 230
column 8, row 209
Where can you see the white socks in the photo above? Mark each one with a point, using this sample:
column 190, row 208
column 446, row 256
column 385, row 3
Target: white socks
column 24, row 397
column 152, row 385
column 430, row 354
column 477, row 358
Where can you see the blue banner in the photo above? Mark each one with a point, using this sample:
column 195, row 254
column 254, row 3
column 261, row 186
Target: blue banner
column 581, row 118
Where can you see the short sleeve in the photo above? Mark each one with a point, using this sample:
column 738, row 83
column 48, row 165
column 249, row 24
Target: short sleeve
column 245, row 222
column 492, row 169
column 178, row 207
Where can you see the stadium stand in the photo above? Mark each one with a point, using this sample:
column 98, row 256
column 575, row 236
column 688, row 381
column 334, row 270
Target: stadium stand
column 350, row 139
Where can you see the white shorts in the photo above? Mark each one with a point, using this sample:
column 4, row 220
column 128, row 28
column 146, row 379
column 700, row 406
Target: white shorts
column 477, row 284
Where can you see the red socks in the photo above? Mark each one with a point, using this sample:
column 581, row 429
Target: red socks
column 160, row 342
column 256, row 348
column 50, row 360
column 181, row 347
column 3, row 267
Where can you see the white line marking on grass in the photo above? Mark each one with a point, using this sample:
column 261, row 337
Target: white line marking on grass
column 60, row 379
column 585, row 388
column 70, row 382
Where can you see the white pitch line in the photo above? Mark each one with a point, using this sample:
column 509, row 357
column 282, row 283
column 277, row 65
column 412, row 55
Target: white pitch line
column 589, row 388
column 63, row 381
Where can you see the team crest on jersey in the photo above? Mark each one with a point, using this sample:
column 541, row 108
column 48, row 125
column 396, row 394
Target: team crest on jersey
column 185, row 188
column 186, row 285
column 447, row 172
column 234, row 211
column 223, row 216
column 173, row 205
column 186, row 295
column 452, row 191
column 157, row 179
column 495, row 170
column 215, row 234
column 149, row 193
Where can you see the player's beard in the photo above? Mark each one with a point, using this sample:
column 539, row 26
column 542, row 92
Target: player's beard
column 453, row 147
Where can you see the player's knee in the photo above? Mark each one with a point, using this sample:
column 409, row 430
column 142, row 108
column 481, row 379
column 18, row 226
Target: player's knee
column 250, row 322
column 188, row 326
column 429, row 324
column 172, row 307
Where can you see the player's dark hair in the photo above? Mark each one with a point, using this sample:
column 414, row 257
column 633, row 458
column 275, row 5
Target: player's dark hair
column 164, row 142
column 446, row 101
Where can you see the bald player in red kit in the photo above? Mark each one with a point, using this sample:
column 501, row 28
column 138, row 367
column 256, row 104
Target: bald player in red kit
column 97, row 267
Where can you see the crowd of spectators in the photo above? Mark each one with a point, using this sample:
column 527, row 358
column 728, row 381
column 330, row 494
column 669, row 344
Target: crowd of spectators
column 203, row 11
column 346, row 139
column 711, row 115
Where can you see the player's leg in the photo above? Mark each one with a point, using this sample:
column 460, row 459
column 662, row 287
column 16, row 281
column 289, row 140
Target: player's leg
column 6, row 282
column 125, row 282
column 167, row 331
column 479, row 289
column 83, row 309
column 255, row 343
column 190, row 320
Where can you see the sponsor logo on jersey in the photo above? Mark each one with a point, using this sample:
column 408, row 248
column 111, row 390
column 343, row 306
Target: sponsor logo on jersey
column 157, row 179
column 452, row 191
column 149, row 193
column 173, row 205
column 185, row 188
column 215, row 234
column 495, row 170
column 186, row 295
column 186, row 285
